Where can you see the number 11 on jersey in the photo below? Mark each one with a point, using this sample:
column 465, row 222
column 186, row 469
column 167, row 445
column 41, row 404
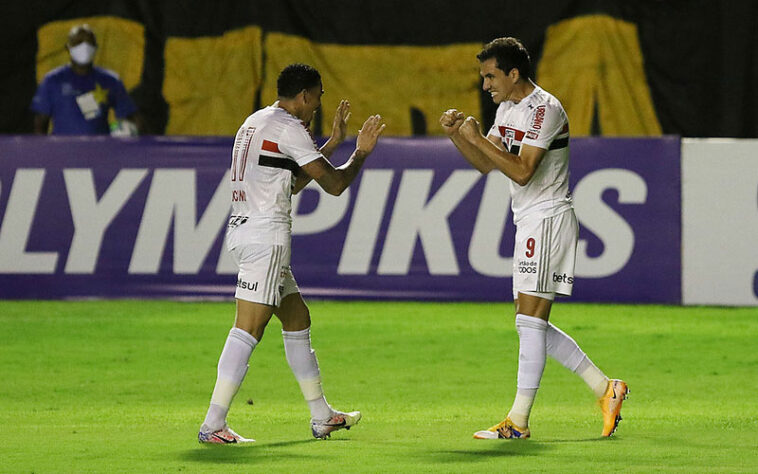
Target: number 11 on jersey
column 239, row 154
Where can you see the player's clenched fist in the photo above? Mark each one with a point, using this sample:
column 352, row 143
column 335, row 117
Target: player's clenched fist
column 470, row 129
column 368, row 135
column 451, row 120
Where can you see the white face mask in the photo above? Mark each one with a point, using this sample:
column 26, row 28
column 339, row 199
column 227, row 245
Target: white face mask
column 82, row 53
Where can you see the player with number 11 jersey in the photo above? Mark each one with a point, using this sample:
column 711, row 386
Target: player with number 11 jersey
column 269, row 149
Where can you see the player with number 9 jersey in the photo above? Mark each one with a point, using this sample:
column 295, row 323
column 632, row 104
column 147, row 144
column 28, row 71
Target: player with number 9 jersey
column 529, row 144
column 546, row 227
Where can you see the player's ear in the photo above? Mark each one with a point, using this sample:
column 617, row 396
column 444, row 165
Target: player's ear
column 514, row 75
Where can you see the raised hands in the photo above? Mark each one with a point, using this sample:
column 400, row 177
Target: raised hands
column 451, row 121
column 470, row 129
column 339, row 125
column 368, row 135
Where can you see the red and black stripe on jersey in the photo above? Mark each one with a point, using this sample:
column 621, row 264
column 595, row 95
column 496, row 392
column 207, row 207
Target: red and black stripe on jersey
column 512, row 138
column 275, row 158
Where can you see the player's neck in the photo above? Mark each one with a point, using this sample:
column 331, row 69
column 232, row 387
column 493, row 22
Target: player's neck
column 290, row 106
column 522, row 90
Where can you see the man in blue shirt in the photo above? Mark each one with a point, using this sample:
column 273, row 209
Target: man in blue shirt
column 77, row 96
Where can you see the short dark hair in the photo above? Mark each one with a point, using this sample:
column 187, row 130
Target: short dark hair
column 296, row 77
column 76, row 29
column 510, row 53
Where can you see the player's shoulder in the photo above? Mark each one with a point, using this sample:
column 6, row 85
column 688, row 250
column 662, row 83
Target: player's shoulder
column 275, row 122
column 276, row 115
column 541, row 97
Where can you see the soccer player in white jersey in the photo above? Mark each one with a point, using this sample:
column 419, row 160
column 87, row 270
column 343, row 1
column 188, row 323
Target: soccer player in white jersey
column 273, row 157
column 529, row 144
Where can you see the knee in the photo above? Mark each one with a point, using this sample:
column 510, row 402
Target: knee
column 255, row 329
column 301, row 321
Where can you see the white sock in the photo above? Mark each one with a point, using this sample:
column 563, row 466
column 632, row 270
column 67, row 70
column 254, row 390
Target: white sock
column 232, row 367
column 531, row 364
column 522, row 406
column 304, row 365
column 561, row 347
column 593, row 377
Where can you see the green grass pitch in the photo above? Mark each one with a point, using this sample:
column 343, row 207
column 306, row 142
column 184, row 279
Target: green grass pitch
column 123, row 386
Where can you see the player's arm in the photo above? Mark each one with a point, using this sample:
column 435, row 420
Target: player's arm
column 339, row 129
column 519, row 168
column 335, row 180
column 303, row 179
column 339, row 132
column 451, row 122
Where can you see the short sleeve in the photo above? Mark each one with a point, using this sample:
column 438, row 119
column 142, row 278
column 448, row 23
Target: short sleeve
column 546, row 122
column 298, row 145
column 123, row 105
column 41, row 102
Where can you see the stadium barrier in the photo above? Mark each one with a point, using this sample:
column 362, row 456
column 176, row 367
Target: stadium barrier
column 145, row 217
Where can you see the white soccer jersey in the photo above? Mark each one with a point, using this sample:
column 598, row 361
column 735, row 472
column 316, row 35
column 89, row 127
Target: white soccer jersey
column 269, row 149
column 537, row 120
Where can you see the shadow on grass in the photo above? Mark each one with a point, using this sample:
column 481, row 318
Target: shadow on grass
column 495, row 449
column 599, row 439
column 220, row 453
column 500, row 449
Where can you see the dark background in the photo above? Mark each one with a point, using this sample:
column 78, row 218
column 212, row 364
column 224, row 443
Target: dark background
column 701, row 57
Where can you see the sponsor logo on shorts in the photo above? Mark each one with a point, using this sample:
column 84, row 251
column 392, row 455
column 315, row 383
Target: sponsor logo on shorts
column 563, row 278
column 246, row 285
column 525, row 266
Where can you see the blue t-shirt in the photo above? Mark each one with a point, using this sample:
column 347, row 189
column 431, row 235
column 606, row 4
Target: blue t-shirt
column 78, row 105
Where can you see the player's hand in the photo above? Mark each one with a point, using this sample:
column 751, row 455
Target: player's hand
column 451, row 121
column 368, row 135
column 470, row 129
column 339, row 125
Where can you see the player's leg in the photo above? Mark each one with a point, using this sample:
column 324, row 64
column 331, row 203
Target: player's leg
column 610, row 393
column 296, row 332
column 248, row 329
column 531, row 324
column 532, row 312
column 533, row 306
column 560, row 346
column 563, row 348
column 256, row 296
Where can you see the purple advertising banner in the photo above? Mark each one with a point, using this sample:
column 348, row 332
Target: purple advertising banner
column 145, row 217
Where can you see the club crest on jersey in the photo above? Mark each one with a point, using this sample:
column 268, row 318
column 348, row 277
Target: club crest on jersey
column 508, row 137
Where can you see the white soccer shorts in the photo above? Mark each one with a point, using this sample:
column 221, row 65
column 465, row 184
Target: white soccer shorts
column 545, row 254
column 264, row 274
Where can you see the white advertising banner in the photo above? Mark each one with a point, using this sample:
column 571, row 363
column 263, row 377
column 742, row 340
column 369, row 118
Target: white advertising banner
column 719, row 222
